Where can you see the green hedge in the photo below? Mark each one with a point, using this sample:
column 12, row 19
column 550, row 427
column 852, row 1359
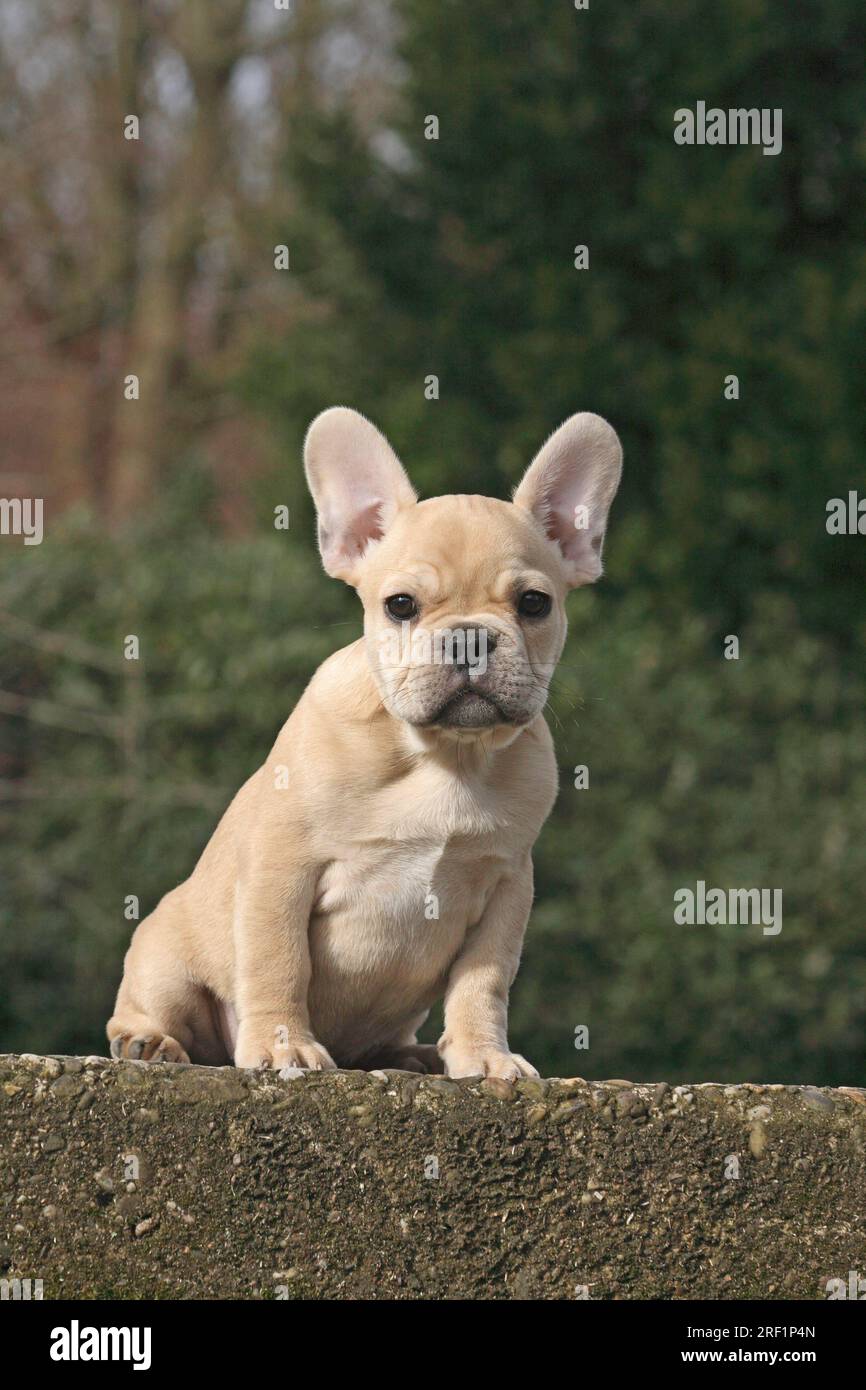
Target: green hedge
column 744, row 773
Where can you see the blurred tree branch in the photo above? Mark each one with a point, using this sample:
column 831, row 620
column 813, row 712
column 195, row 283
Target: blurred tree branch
column 146, row 256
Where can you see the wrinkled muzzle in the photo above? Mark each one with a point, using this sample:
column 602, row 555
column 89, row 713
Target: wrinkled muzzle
column 466, row 676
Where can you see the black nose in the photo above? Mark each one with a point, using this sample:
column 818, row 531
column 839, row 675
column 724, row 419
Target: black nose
column 476, row 642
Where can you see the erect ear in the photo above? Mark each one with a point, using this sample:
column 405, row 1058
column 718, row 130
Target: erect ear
column 358, row 486
column 569, row 487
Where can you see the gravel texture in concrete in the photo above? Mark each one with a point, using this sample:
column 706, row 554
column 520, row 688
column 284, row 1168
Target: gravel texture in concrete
column 122, row 1180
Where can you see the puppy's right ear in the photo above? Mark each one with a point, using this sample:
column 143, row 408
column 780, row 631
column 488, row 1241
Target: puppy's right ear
column 358, row 486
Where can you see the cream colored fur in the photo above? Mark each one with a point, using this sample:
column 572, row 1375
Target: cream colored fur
column 381, row 857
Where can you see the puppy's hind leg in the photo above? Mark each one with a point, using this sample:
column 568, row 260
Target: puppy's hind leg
column 405, row 1053
column 421, row 1057
column 156, row 1001
column 142, row 1039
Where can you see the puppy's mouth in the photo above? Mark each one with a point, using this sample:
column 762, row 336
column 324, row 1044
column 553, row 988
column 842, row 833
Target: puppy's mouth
column 468, row 709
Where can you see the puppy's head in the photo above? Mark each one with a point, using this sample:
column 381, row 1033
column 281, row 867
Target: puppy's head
column 464, row 596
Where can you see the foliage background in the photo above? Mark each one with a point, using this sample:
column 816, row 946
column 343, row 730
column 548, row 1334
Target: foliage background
column 455, row 257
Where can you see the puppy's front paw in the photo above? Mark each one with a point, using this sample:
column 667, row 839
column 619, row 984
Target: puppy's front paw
column 274, row 1048
column 485, row 1061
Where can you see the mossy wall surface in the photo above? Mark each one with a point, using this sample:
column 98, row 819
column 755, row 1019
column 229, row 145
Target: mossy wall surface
column 121, row 1180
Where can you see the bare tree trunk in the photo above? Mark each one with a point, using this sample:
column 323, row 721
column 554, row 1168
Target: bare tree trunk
column 155, row 345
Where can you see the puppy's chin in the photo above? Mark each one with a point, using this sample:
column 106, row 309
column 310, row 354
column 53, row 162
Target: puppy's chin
column 469, row 718
column 466, row 714
column 468, row 709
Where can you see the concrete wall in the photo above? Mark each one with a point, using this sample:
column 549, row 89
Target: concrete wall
column 120, row 1180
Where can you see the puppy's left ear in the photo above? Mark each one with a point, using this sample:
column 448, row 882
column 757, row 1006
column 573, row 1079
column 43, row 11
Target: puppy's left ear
column 358, row 486
column 569, row 487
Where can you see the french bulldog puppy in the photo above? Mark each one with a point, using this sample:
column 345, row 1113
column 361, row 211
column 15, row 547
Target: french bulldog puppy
column 381, row 857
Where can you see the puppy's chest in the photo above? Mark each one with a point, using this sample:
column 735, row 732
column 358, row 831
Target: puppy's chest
column 410, row 879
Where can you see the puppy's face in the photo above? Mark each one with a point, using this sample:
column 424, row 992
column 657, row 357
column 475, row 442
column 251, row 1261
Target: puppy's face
column 463, row 614
column 464, row 596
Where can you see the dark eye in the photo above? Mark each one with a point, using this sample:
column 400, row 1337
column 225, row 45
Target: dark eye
column 402, row 607
column 534, row 604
